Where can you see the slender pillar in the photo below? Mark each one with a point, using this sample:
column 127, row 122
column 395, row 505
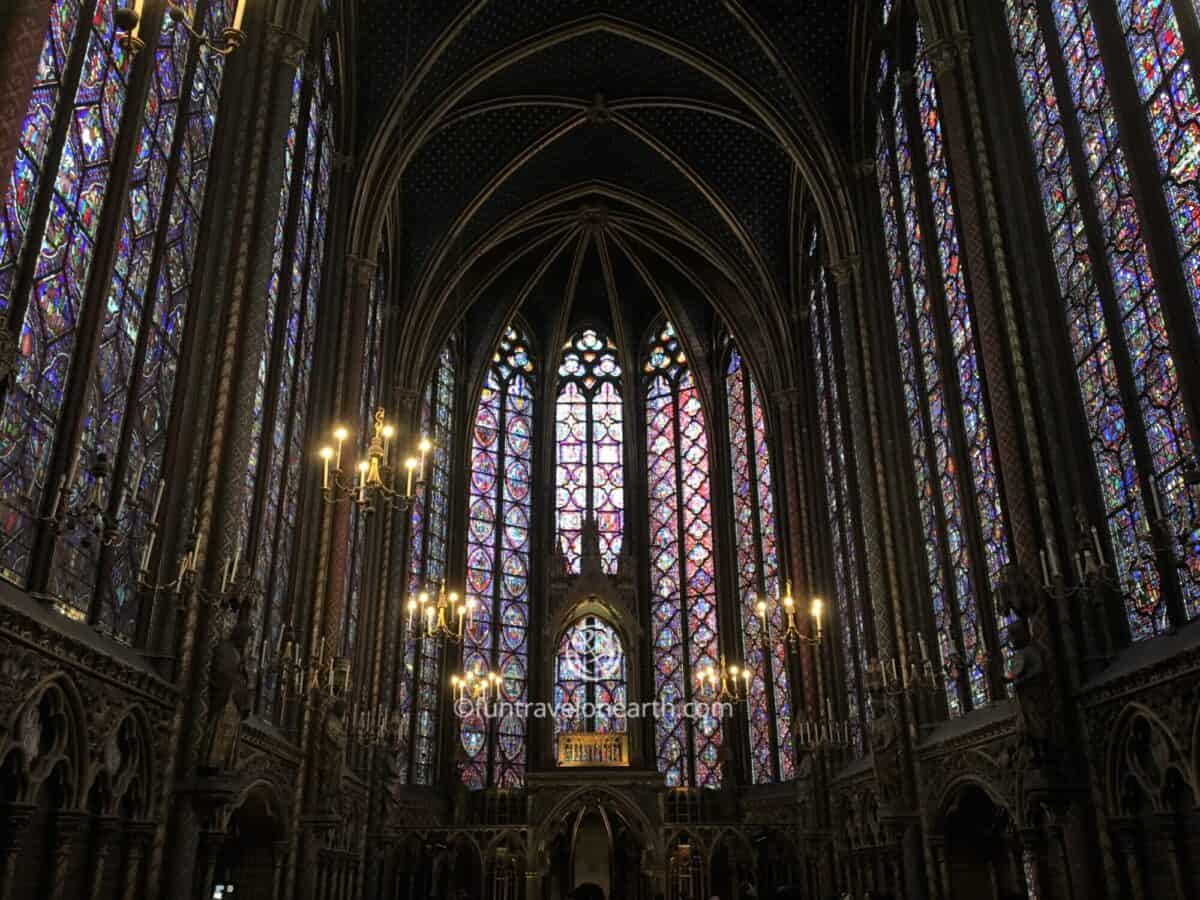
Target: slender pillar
column 107, row 830
column 207, row 853
column 70, row 831
column 13, row 835
column 1125, row 838
column 1166, row 832
column 138, row 836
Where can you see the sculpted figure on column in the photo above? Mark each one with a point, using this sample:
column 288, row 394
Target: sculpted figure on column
column 230, row 701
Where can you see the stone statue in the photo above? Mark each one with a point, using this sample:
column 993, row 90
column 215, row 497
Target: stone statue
column 885, row 754
column 332, row 756
column 1028, row 677
column 229, row 701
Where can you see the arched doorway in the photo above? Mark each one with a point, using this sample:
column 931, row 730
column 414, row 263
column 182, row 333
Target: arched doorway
column 251, row 857
column 687, row 875
column 730, row 867
column 596, row 842
column 980, row 861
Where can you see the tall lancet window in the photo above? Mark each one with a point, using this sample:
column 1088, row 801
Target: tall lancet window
column 590, row 473
column 105, row 327
column 1131, row 303
column 682, row 578
column 772, row 755
column 279, row 444
column 957, row 482
column 498, row 543
column 837, row 453
column 420, row 679
column 370, row 379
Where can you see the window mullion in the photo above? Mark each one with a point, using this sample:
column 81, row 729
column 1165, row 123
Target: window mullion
column 841, row 552
column 48, row 170
column 492, row 724
column 277, row 339
column 279, row 352
column 83, row 349
column 985, row 620
column 681, row 538
column 121, row 456
column 947, row 565
column 1107, row 291
column 759, row 575
column 850, row 521
column 1146, row 184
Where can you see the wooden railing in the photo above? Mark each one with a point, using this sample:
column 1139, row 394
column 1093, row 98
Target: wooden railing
column 586, row 748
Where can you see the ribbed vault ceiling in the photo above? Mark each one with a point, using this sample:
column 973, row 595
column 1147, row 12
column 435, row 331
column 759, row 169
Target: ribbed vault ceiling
column 666, row 143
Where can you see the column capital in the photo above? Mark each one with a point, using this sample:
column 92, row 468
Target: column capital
column 788, row 399
column 361, row 268
column 844, row 269
column 287, row 45
column 943, row 55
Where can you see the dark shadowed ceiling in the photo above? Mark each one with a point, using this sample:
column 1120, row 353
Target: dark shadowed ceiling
column 683, row 134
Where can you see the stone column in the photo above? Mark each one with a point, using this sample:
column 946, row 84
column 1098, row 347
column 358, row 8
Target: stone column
column 279, row 853
column 207, row 853
column 138, row 835
column 791, row 430
column 940, row 876
column 70, row 830
column 1126, row 840
column 1033, row 859
column 360, row 273
column 107, row 829
column 18, row 815
column 1166, row 832
column 1008, row 419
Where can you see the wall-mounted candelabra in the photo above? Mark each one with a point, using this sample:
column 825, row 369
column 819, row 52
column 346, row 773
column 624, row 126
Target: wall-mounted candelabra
column 378, row 481
column 886, row 675
column 377, row 727
column 299, row 673
column 792, row 633
column 479, row 687
column 88, row 513
column 724, row 683
column 128, row 25
column 445, row 618
column 825, row 732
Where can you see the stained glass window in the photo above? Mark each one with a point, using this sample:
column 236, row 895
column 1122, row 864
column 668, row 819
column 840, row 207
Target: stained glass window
column 370, row 373
column 147, row 289
column 769, row 710
column 59, row 280
column 167, row 279
column 848, row 594
column 1114, row 309
column 589, row 678
column 274, row 479
column 589, row 438
column 420, row 686
column 957, row 482
column 498, row 560
column 683, row 602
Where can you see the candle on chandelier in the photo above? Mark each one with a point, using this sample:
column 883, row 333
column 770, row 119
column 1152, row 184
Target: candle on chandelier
column 326, row 456
column 362, row 481
column 237, row 15
column 157, row 501
column 340, row 434
column 425, row 446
